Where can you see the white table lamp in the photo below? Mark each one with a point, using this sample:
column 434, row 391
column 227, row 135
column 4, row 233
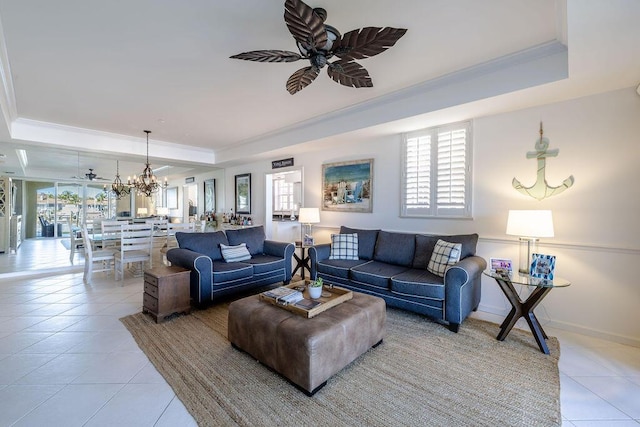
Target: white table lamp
column 529, row 226
column 162, row 211
column 307, row 217
column 142, row 212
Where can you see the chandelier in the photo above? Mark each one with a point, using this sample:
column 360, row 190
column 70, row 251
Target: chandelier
column 117, row 187
column 146, row 183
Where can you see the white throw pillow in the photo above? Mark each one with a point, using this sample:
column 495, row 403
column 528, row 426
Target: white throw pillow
column 444, row 255
column 344, row 246
column 235, row 253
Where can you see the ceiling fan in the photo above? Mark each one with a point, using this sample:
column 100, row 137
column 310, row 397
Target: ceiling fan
column 89, row 176
column 319, row 42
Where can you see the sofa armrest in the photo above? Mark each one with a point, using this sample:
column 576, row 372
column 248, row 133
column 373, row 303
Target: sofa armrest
column 274, row 248
column 201, row 268
column 462, row 288
column 318, row 253
column 283, row 250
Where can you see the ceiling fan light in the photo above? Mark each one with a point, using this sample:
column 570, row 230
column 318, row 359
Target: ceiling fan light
column 304, row 50
column 332, row 35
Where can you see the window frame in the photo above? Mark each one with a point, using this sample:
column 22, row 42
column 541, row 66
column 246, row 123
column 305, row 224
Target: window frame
column 433, row 210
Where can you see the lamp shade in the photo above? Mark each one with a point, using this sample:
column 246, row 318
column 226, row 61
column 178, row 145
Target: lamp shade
column 530, row 223
column 162, row 211
column 309, row 215
column 142, row 211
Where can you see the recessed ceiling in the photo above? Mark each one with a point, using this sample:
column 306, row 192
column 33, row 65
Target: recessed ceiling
column 165, row 66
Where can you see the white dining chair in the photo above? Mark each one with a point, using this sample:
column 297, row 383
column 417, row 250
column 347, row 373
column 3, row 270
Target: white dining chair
column 159, row 231
column 95, row 260
column 171, row 242
column 110, row 234
column 136, row 242
column 75, row 240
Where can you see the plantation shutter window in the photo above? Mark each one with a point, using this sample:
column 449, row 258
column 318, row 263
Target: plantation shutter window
column 436, row 172
column 282, row 196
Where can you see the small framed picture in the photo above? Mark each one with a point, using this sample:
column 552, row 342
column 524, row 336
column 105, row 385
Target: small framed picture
column 501, row 264
column 308, row 240
column 542, row 266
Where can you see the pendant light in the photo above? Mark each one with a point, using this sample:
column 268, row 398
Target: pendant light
column 146, row 184
column 117, row 187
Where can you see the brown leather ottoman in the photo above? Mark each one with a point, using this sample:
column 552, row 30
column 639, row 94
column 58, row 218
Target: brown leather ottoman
column 307, row 351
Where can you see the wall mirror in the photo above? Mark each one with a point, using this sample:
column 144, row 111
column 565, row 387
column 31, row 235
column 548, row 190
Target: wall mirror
column 209, row 196
column 243, row 193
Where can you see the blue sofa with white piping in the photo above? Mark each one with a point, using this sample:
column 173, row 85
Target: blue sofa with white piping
column 394, row 266
column 212, row 277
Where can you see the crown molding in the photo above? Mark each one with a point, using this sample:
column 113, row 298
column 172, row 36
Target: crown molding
column 541, row 64
column 55, row 135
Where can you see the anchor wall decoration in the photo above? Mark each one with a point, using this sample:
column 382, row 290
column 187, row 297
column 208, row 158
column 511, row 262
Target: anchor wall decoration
column 541, row 189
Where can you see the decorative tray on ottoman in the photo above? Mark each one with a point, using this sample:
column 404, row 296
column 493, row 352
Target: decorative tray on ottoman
column 307, row 307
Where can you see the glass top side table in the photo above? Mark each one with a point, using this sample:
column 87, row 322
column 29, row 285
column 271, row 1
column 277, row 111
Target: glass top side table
column 525, row 308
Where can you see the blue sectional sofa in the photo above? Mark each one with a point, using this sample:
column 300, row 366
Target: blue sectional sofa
column 393, row 266
column 212, row 277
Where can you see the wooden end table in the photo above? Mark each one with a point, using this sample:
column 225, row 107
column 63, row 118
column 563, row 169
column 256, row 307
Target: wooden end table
column 525, row 308
column 166, row 291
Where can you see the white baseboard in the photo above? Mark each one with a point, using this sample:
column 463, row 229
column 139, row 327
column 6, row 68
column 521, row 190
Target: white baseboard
column 497, row 315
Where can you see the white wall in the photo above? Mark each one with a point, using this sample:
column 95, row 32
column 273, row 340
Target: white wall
column 596, row 230
column 218, row 175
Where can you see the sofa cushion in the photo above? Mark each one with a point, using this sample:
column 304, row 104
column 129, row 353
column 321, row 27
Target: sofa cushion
column 366, row 241
column 235, row 253
column 395, row 248
column 338, row 267
column 426, row 243
column 468, row 242
column 252, row 236
column 376, row 273
column 418, row 283
column 224, row 272
column 265, row 263
column 444, row 255
column 344, row 246
column 204, row 243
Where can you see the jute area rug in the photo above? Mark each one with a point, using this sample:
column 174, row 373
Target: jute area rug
column 421, row 375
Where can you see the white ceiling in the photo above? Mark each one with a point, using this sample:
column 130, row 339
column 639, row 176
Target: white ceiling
column 88, row 76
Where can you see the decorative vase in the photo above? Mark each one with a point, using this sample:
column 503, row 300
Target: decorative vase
column 315, row 292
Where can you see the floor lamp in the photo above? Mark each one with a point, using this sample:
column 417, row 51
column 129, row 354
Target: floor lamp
column 529, row 226
column 307, row 217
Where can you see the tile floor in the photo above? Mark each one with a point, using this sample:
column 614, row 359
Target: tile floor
column 66, row 360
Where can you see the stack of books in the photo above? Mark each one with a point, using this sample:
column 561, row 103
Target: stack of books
column 284, row 295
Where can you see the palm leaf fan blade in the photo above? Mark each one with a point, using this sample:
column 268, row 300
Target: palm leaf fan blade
column 349, row 73
column 367, row 42
column 301, row 79
column 304, row 24
column 268, row 56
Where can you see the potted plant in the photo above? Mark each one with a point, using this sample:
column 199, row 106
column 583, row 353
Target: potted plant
column 315, row 288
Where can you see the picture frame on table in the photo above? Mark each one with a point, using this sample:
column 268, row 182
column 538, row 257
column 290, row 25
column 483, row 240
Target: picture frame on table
column 348, row 186
column 308, row 240
column 503, row 264
column 243, row 193
column 542, row 266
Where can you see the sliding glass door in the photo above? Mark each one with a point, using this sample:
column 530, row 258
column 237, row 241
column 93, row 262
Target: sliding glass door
column 52, row 208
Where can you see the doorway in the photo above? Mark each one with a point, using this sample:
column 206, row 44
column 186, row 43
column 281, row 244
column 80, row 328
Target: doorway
column 284, row 198
column 190, row 203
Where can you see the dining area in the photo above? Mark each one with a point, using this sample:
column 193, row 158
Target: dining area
column 124, row 247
